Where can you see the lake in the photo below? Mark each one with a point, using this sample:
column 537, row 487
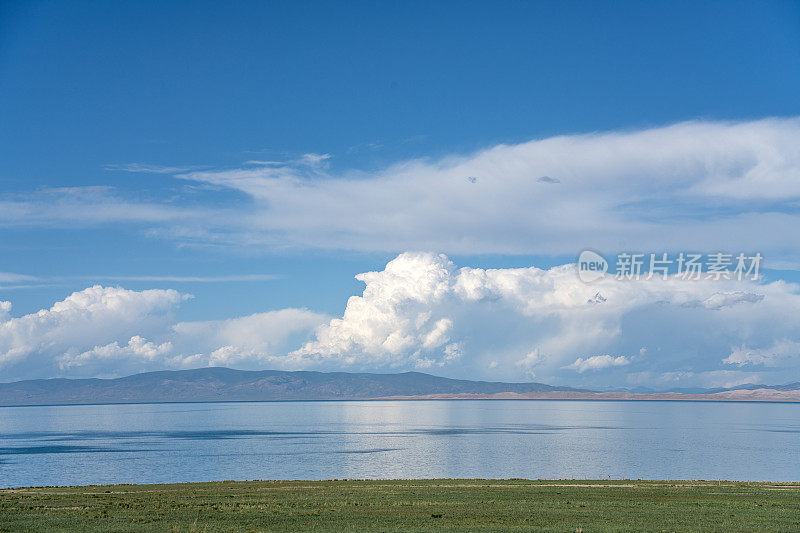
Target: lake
column 157, row 443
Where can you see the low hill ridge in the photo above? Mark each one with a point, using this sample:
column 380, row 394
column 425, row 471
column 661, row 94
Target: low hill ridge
column 217, row 384
column 225, row 384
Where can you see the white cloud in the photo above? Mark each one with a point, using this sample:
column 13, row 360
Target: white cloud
column 696, row 185
column 262, row 338
column 94, row 315
column 424, row 312
column 597, row 362
column 147, row 169
column 137, row 348
column 527, row 363
column 721, row 300
column 683, row 378
column 10, row 277
column 537, row 320
column 192, row 279
column 113, row 331
column 76, row 207
column 781, row 352
column 713, row 184
column 39, row 282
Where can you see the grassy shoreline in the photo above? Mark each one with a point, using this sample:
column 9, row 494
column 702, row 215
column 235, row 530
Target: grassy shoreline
column 407, row 505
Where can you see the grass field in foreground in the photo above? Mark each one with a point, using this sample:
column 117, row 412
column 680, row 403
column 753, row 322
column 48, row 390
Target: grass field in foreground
column 420, row 505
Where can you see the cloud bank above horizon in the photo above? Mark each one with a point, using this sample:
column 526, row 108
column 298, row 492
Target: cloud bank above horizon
column 702, row 185
column 422, row 312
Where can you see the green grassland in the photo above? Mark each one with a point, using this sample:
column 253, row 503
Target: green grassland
column 409, row 505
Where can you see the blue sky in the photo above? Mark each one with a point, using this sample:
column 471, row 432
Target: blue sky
column 129, row 130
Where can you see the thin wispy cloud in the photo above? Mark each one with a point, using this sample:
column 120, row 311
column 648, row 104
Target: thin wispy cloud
column 189, row 279
column 148, row 169
column 10, row 281
column 597, row 362
column 548, row 179
column 263, row 163
column 695, row 185
column 91, row 206
column 701, row 185
column 11, row 277
column 26, row 286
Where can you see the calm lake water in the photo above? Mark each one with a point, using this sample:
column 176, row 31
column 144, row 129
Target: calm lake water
column 151, row 443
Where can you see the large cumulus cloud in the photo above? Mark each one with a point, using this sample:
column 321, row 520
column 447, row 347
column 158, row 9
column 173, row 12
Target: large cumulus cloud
column 99, row 314
column 423, row 312
column 108, row 331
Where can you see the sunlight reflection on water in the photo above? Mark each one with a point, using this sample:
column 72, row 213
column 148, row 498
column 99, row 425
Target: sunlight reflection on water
column 70, row 445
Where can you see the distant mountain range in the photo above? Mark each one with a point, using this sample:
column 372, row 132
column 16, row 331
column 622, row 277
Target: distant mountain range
column 227, row 385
